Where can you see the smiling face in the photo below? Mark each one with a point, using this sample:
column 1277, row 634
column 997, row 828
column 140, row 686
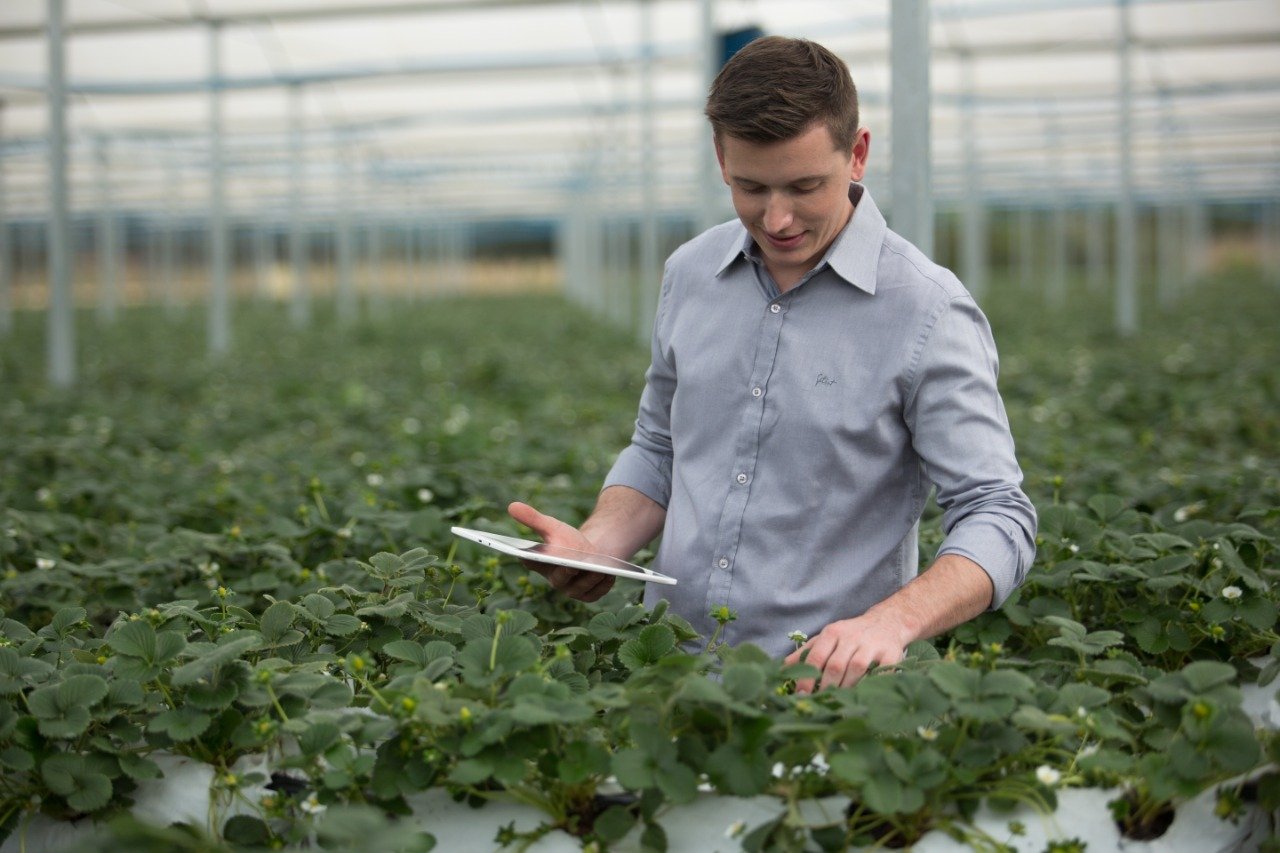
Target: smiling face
column 792, row 196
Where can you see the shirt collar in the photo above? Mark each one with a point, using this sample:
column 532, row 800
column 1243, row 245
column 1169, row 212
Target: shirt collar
column 853, row 256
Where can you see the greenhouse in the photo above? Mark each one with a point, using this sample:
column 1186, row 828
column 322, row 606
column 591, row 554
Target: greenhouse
column 292, row 290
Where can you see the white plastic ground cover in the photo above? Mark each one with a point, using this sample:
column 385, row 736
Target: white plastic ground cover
column 710, row 824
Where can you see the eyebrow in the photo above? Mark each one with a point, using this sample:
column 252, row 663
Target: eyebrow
column 807, row 179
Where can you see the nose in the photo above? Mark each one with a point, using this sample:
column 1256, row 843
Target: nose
column 777, row 214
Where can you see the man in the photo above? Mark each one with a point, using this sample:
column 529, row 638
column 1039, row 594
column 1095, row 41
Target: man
column 812, row 374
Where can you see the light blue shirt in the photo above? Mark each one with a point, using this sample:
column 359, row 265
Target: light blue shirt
column 793, row 437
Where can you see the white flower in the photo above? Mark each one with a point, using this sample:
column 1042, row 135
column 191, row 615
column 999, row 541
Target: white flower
column 411, row 426
column 1081, row 712
column 45, row 563
column 358, row 459
column 927, row 732
column 374, row 480
column 425, row 495
column 344, row 532
column 208, row 568
column 312, row 806
column 1047, row 775
column 1073, row 548
column 735, row 829
column 44, row 494
column 1088, row 750
column 1231, row 593
column 797, row 636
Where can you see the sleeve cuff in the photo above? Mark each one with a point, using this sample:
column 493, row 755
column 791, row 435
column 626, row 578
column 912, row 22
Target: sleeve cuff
column 638, row 470
column 1002, row 552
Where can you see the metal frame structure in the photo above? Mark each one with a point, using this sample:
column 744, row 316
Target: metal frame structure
column 616, row 153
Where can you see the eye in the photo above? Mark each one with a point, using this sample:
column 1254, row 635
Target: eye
column 752, row 190
column 805, row 190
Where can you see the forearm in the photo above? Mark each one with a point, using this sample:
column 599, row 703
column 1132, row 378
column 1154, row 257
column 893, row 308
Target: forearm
column 953, row 590
column 623, row 521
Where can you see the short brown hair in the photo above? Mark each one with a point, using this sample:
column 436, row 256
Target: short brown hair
column 775, row 88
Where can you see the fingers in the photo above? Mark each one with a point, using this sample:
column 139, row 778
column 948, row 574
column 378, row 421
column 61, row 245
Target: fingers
column 545, row 526
column 843, row 660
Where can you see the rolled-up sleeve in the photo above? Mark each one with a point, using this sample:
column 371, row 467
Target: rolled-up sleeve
column 645, row 464
column 961, row 433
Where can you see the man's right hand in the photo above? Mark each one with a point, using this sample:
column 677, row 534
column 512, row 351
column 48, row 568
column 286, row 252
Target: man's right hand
column 576, row 583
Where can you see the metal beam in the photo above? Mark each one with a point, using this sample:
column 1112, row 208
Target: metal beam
column 60, row 343
column 912, row 179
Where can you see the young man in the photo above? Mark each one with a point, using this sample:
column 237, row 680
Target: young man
column 813, row 373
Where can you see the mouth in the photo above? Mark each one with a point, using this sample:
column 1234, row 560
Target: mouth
column 784, row 242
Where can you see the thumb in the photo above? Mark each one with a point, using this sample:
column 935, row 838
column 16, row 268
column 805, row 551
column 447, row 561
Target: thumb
column 543, row 525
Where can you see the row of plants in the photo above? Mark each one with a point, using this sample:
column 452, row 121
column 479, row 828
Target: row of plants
column 225, row 561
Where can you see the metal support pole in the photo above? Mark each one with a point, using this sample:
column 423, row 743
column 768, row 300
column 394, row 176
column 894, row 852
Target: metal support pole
column 219, row 287
column 300, row 307
column 346, row 199
column 169, row 237
column 1126, row 218
column 108, row 259
column 973, row 227
column 6, row 248
column 645, row 300
column 912, row 182
column 61, row 321
column 706, row 166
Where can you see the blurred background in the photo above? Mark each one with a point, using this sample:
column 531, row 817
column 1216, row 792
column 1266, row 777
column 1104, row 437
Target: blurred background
column 348, row 154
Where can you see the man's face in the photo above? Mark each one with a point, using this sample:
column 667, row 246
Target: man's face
column 792, row 196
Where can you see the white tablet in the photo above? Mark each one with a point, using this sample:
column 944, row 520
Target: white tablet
column 558, row 555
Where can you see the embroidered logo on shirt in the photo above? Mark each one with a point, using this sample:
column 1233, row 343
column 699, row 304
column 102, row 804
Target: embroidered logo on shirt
column 824, row 379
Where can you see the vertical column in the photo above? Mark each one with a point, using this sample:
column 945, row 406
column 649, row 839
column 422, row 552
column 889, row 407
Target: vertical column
column 6, row 248
column 169, row 237
column 300, row 307
column 706, row 168
column 219, row 296
column 973, row 227
column 644, row 302
column 61, row 329
column 912, row 181
column 108, row 258
column 1126, row 306
column 346, row 199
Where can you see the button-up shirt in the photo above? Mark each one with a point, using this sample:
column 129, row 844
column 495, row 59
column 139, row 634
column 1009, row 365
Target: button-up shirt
column 793, row 437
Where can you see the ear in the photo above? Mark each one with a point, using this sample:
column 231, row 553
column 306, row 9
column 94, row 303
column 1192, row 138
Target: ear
column 861, row 151
column 724, row 175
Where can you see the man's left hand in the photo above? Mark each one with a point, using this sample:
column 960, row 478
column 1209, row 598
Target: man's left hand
column 845, row 650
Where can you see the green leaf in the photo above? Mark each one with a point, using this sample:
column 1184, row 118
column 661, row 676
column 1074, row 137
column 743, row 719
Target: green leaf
column 84, row 690
column 181, row 724
column 229, row 650
column 71, row 777
column 246, row 831
column 956, row 681
column 614, row 823
column 138, row 767
column 633, row 768
column 1204, row 675
column 276, row 621
column 406, row 650
column 169, row 644
column 744, row 681
column 135, row 639
column 318, row 606
column 341, row 625
column 317, row 738
column 67, row 618
column 648, row 648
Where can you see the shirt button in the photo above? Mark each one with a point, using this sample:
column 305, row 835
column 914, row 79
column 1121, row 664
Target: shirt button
column 756, row 392
column 775, row 308
column 742, row 479
column 723, row 563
